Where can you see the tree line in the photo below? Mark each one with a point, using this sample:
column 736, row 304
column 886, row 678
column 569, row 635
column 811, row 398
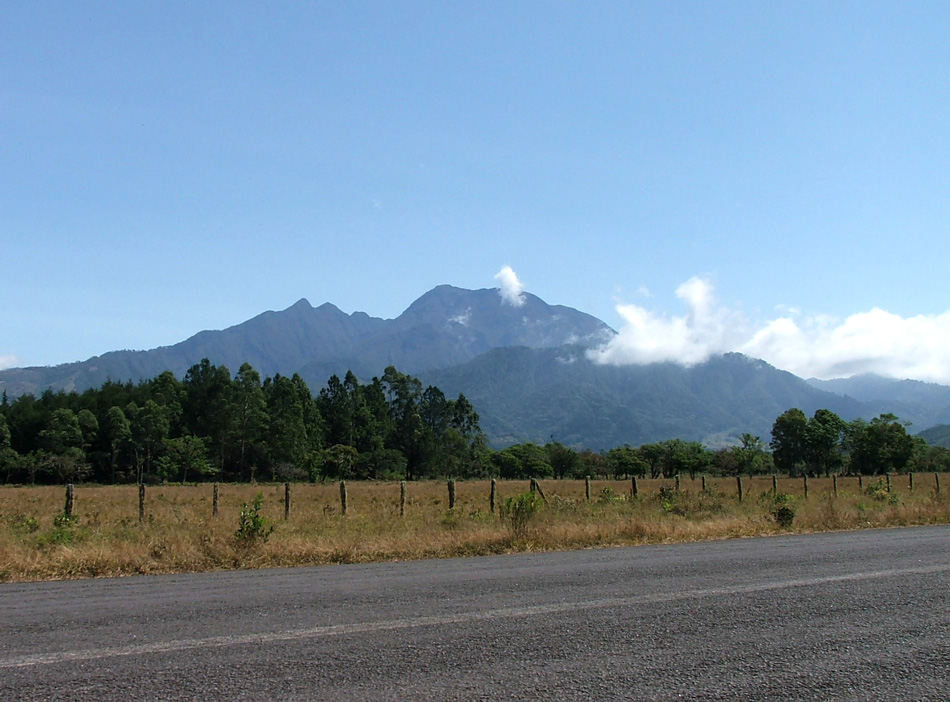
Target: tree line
column 212, row 426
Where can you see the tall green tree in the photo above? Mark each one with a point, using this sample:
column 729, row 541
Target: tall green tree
column 251, row 420
column 210, row 410
column 62, row 441
column 789, row 441
column 823, row 436
column 880, row 446
column 294, row 431
column 118, row 432
column 751, row 457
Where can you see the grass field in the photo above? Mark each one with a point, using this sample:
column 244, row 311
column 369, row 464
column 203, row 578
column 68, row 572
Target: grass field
column 179, row 533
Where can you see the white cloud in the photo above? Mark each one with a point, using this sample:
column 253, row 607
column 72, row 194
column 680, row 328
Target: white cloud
column 463, row 318
column 808, row 346
column 510, row 288
column 867, row 342
column 9, row 361
column 647, row 337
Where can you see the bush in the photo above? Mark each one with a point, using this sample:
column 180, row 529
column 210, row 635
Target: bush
column 608, row 496
column 784, row 516
column 251, row 525
column 782, row 509
column 877, row 490
column 518, row 513
column 668, row 496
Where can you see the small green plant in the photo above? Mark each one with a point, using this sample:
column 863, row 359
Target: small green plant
column 252, row 526
column 608, row 496
column 784, row 516
column 62, row 533
column 518, row 513
column 877, row 490
column 782, row 509
column 23, row 524
column 668, row 496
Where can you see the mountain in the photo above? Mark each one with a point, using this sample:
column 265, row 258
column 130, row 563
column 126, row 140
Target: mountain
column 444, row 327
column 937, row 436
column 538, row 394
column 525, row 368
column 921, row 404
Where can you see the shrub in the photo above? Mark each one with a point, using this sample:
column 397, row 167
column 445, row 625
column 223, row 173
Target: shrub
column 518, row 513
column 668, row 496
column 608, row 496
column 878, row 490
column 252, row 526
column 784, row 516
column 782, row 509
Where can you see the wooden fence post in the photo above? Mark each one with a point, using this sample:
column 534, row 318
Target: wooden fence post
column 677, row 482
column 68, row 509
column 635, row 487
column 888, row 475
column 861, row 483
column 141, row 502
column 402, row 498
column 774, row 484
column 805, row 483
column 937, row 482
column 910, row 481
column 286, row 501
column 704, row 482
column 214, row 501
column 834, row 483
column 451, row 494
column 536, row 489
column 492, row 496
column 343, row 497
column 587, row 487
column 739, row 486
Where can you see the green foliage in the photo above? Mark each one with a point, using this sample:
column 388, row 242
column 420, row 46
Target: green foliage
column 782, row 508
column 518, row 513
column 877, row 490
column 937, row 436
column 668, row 496
column 63, row 533
column 522, row 461
column 609, row 496
column 210, row 424
column 784, row 516
column 625, row 461
column 23, row 524
column 880, row 446
column 252, row 526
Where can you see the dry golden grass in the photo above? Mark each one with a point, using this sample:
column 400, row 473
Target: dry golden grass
column 180, row 534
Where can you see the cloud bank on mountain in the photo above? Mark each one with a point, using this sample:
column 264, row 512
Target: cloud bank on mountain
column 817, row 346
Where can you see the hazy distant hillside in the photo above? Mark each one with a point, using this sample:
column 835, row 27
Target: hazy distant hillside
column 937, row 436
column 531, row 394
column 921, row 404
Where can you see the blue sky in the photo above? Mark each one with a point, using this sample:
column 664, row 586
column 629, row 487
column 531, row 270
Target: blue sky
column 764, row 177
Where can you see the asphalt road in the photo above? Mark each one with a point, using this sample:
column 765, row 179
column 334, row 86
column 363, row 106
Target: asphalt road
column 846, row 616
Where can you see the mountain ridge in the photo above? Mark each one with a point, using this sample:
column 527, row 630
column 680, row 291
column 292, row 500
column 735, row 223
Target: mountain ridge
column 526, row 368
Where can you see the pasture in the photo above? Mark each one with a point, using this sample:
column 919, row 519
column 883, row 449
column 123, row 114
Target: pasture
column 178, row 530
